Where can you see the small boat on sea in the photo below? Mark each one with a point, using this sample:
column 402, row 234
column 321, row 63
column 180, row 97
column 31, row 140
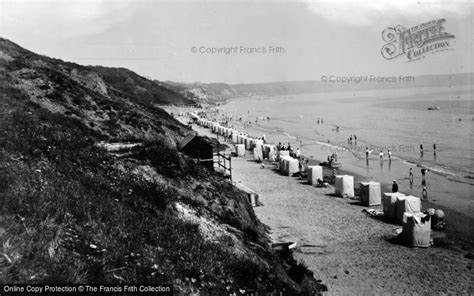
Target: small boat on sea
column 434, row 108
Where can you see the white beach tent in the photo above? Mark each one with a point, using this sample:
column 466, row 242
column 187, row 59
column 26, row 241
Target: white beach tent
column 408, row 204
column 258, row 143
column 282, row 153
column 314, row 172
column 235, row 137
column 289, row 165
column 416, row 229
column 257, row 154
column 248, row 143
column 282, row 164
column 240, row 150
column 344, row 185
column 214, row 128
column 268, row 151
column 293, row 166
column 265, row 150
column 244, row 141
column 272, row 152
column 370, row 193
column 389, row 200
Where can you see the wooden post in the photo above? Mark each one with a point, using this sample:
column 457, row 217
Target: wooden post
column 230, row 167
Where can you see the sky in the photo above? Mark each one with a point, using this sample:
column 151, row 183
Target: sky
column 238, row 41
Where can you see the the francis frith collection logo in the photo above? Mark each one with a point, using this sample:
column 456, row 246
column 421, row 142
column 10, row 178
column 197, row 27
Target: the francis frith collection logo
column 415, row 43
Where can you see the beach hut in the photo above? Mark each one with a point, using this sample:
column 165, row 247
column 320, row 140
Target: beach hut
column 199, row 149
column 416, row 231
column 257, row 154
column 407, row 204
column 290, row 165
column 370, row 193
column 258, row 144
column 282, row 153
column 265, row 150
column 214, row 128
column 252, row 143
column 240, row 150
column 389, row 200
column 235, row 137
column 314, row 173
column 268, row 151
column 272, row 152
column 293, row 166
column 248, row 143
column 282, row 164
column 344, row 185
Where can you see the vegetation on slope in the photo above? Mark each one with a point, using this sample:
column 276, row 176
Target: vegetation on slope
column 73, row 212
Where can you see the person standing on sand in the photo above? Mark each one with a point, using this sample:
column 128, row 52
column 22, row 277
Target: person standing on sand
column 381, row 155
column 421, row 149
column 434, row 148
column 423, row 176
column 394, row 186
column 367, row 152
column 424, row 193
column 389, row 154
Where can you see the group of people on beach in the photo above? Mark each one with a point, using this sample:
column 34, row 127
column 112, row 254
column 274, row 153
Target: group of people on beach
column 424, row 192
column 284, row 147
column 349, row 140
column 421, row 149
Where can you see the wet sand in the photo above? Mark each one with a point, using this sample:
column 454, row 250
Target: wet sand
column 350, row 252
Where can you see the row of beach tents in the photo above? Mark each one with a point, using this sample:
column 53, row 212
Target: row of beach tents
column 404, row 209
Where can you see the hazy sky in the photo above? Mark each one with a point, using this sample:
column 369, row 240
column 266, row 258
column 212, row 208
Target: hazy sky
column 156, row 38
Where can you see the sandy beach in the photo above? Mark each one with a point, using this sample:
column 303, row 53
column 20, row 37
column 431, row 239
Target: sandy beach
column 350, row 252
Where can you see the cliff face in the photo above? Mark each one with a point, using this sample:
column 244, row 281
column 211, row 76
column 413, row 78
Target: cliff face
column 75, row 210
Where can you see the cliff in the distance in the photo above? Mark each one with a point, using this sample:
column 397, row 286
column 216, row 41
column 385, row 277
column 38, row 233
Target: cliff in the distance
column 73, row 211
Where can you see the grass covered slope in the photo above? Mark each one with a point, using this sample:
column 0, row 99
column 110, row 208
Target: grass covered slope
column 73, row 212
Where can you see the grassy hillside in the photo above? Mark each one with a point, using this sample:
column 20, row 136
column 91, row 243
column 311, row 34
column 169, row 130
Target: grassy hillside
column 139, row 88
column 75, row 212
